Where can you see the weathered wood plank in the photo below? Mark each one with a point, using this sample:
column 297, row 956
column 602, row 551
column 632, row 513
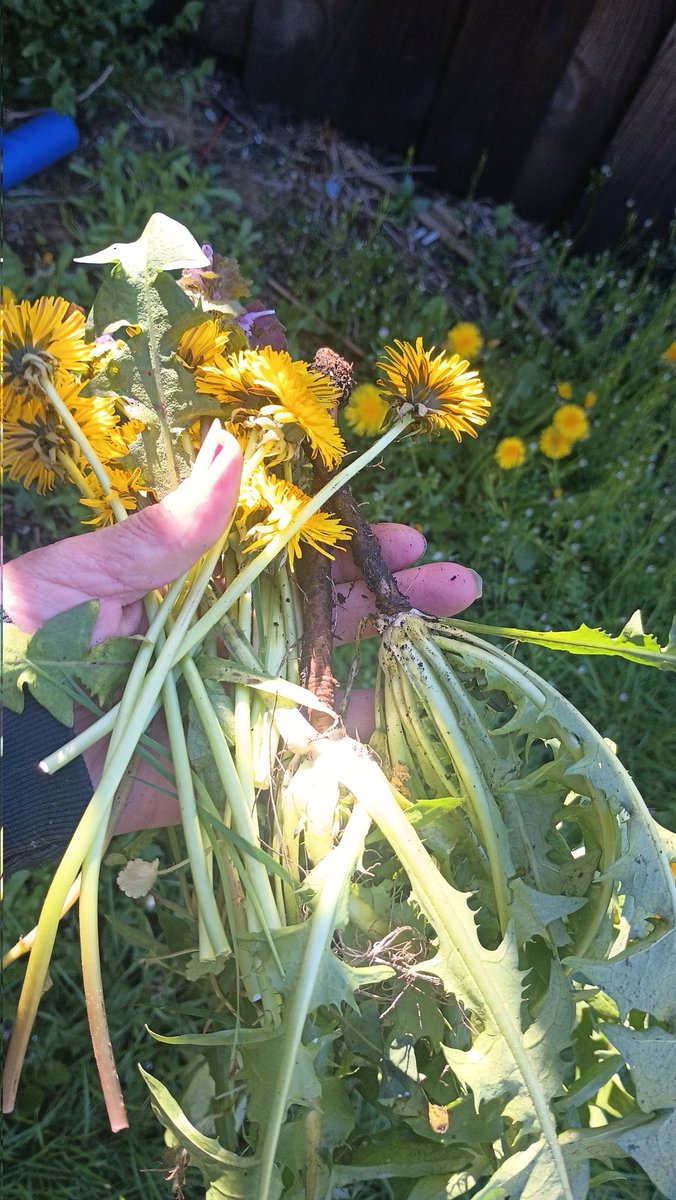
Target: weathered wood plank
column 502, row 71
column 642, row 155
column 398, row 68
column 301, row 52
column 607, row 65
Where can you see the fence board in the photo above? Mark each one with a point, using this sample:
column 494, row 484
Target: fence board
column 398, row 68
column 299, row 51
column 500, row 77
column 610, row 60
column 642, row 155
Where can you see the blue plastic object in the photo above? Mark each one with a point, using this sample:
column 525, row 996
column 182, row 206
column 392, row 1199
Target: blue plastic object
column 35, row 145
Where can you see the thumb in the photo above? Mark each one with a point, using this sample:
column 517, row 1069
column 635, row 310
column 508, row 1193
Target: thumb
column 120, row 564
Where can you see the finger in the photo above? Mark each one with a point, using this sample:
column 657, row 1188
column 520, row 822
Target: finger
column 438, row 589
column 120, row 564
column 360, row 718
column 401, row 545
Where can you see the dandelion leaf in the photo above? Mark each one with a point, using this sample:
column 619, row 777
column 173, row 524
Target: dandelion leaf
column 164, row 245
column 642, row 977
column 650, row 1055
column 652, row 1146
column 226, row 1176
column 46, row 662
column 147, row 368
column 631, row 643
column 530, row 1174
column 539, row 914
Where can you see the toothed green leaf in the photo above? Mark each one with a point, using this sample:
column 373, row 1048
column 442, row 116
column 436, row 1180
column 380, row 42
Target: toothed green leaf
column 631, row 643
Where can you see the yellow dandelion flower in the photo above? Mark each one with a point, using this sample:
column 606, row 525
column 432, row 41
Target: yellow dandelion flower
column 589, row 400
column 465, row 339
column 510, row 452
column 284, row 501
column 8, row 296
column 269, row 382
column 366, row 410
column 439, row 391
column 124, row 488
column 203, row 344
column 565, row 391
column 571, row 421
column 670, row 353
column 36, row 450
column 554, row 443
column 50, row 328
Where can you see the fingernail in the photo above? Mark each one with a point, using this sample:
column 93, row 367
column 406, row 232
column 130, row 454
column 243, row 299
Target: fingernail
column 479, row 582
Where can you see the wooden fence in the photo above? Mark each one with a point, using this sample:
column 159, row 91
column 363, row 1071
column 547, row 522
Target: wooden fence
column 514, row 99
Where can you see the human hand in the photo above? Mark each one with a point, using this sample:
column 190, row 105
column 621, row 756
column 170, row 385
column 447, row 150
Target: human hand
column 120, row 564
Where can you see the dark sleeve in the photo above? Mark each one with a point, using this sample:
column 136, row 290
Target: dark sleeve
column 39, row 812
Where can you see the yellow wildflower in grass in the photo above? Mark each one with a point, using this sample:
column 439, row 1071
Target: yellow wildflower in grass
column 439, row 391
column 124, row 488
column 554, row 443
column 589, row 400
column 670, row 353
column 54, row 330
column 465, row 339
column 203, row 344
column 571, row 421
column 36, row 449
column 283, row 502
column 510, row 452
column 565, row 391
column 366, row 410
column 269, row 382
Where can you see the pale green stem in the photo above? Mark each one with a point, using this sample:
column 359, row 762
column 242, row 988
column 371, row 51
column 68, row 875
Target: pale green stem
column 190, row 820
column 76, row 433
column 481, row 807
column 96, row 814
column 75, row 474
column 344, row 858
column 242, row 818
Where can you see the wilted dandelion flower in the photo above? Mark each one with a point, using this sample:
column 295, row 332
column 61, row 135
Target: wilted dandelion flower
column 439, row 392
column 554, row 444
column 50, row 329
column 465, row 339
column 564, row 390
column 510, row 452
column 589, row 400
column 124, row 488
column 571, row 421
column 366, row 410
column 39, row 450
column 284, row 501
column 271, row 383
column 203, row 344
column 670, row 353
